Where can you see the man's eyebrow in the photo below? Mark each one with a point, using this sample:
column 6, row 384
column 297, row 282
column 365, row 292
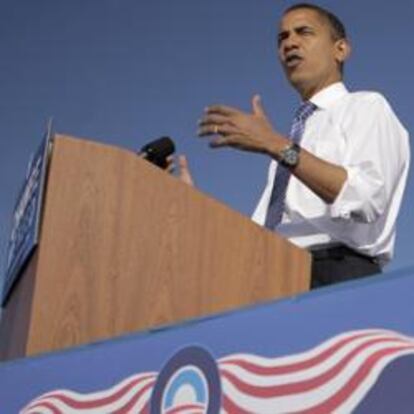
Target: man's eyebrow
column 303, row 27
column 283, row 34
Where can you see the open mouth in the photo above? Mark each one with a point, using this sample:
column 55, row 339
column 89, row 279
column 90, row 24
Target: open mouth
column 293, row 60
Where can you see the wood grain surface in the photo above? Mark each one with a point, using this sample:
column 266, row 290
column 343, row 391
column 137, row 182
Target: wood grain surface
column 16, row 316
column 126, row 247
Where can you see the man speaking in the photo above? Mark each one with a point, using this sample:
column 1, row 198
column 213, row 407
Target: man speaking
column 335, row 184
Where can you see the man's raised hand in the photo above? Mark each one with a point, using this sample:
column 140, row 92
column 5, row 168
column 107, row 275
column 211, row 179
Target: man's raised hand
column 245, row 131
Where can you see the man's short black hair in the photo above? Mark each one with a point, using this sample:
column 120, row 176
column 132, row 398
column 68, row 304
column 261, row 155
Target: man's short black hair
column 337, row 27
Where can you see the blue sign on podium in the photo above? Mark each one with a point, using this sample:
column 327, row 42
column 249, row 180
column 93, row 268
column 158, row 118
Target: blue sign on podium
column 26, row 217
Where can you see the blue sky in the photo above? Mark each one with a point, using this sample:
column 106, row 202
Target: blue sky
column 124, row 72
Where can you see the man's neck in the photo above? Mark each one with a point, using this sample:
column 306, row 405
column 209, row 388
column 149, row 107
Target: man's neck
column 308, row 91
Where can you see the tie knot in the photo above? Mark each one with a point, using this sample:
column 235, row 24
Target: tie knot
column 305, row 110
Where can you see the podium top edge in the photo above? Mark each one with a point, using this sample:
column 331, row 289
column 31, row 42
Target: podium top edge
column 92, row 141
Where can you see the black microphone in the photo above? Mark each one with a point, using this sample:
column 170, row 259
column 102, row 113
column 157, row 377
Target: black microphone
column 157, row 151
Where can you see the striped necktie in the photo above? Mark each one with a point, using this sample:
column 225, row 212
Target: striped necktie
column 277, row 198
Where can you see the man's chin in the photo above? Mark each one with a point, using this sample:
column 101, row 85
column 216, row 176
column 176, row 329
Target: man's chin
column 297, row 79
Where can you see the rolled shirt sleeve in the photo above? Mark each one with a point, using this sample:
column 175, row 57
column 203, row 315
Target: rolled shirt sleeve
column 376, row 156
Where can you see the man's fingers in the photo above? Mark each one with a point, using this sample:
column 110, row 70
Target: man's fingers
column 184, row 171
column 170, row 167
column 206, row 130
column 213, row 119
column 214, row 129
column 182, row 162
column 226, row 141
column 219, row 142
column 210, row 129
column 258, row 107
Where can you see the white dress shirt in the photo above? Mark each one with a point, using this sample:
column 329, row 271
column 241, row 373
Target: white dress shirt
column 360, row 132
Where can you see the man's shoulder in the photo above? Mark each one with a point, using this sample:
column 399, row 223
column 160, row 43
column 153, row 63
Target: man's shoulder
column 365, row 107
column 369, row 102
column 366, row 97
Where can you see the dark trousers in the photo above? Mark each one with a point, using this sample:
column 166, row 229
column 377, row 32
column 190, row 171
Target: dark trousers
column 339, row 264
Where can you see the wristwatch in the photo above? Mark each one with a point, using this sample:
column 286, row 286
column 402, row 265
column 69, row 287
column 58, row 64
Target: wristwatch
column 289, row 157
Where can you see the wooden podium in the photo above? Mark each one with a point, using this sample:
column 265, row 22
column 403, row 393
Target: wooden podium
column 126, row 247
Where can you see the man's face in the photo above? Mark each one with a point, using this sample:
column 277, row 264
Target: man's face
column 308, row 53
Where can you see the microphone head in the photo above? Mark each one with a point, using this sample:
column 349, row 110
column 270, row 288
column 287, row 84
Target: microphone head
column 157, row 151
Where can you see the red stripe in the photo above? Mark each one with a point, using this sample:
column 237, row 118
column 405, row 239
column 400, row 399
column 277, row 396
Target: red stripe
column 146, row 409
column 126, row 409
column 331, row 404
column 95, row 402
column 300, row 386
column 296, row 366
column 184, row 407
column 232, row 408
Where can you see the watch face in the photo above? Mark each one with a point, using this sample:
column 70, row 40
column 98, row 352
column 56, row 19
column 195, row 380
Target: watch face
column 290, row 156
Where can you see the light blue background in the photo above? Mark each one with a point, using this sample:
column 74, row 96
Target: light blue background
column 125, row 72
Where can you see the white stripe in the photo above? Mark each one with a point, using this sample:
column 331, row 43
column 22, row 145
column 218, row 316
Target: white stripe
column 98, row 394
column 42, row 410
column 290, row 359
column 139, row 405
column 304, row 374
column 107, row 408
column 303, row 400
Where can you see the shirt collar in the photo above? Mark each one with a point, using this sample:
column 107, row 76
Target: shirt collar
column 326, row 97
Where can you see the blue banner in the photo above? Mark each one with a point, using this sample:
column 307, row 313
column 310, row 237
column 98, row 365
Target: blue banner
column 337, row 350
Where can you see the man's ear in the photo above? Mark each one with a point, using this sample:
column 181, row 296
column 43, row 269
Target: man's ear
column 342, row 50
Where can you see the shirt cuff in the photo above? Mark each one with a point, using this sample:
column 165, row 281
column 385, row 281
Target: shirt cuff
column 362, row 197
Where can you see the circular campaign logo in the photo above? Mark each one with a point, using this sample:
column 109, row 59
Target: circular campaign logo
column 190, row 381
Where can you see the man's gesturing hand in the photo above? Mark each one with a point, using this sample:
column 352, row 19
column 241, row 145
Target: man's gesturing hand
column 246, row 131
